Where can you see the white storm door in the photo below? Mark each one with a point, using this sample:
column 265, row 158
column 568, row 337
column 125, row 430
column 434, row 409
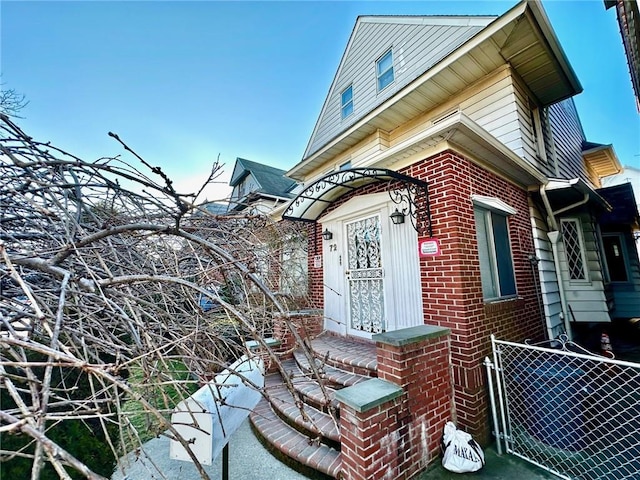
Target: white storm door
column 365, row 276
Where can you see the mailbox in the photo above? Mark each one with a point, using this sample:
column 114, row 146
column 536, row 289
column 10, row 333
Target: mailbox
column 208, row 418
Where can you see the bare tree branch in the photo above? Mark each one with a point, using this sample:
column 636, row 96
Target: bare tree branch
column 119, row 297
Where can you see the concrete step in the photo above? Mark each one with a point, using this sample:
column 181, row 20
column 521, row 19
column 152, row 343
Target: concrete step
column 292, row 446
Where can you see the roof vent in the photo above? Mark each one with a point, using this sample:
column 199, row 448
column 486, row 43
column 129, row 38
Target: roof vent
column 445, row 116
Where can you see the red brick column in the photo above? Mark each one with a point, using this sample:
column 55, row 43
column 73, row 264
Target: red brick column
column 308, row 324
column 371, row 413
column 391, row 426
column 418, row 360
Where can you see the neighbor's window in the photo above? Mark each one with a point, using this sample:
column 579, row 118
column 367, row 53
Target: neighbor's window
column 574, row 249
column 384, row 70
column 615, row 257
column 494, row 250
column 347, row 101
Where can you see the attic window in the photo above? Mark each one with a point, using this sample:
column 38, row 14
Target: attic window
column 384, row 70
column 347, row 101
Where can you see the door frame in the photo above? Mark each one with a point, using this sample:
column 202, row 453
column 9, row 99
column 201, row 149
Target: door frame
column 335, row 257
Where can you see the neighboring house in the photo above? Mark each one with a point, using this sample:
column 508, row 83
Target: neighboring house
column 261, row 189
column 622, row 245
column 258, row 188
column 448, row 182
column 215, row 208
column 628, row 15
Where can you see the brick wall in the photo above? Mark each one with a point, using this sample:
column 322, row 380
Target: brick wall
column 314, row 250
column 307, row 324
column 390, row 427
column 451, row 285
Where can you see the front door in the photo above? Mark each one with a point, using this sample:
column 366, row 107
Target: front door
column 364, row 275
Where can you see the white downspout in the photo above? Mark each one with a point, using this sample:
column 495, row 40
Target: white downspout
column 554, row 238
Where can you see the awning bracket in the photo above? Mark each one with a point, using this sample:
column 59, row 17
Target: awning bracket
column 410, row 193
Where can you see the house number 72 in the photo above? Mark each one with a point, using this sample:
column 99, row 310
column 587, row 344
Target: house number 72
column 333, row 247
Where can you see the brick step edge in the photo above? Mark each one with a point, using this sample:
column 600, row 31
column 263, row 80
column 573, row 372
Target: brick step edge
column 309, row 389
column 284, row 405
column 284, row 441
column 354, row 357
column 335, row 376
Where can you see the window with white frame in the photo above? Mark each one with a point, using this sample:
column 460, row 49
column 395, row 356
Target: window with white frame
column 384, row 70
column 494, row 247
column 574, row 248
column 346, row 101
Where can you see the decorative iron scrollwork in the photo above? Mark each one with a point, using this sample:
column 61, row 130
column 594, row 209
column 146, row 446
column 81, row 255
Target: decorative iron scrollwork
column 410, row 194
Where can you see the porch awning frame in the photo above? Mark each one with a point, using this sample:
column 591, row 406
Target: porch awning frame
column 407, row 192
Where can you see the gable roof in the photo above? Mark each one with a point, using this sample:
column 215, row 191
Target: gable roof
column 271, row 180
column 423, row 40
column 522, row 38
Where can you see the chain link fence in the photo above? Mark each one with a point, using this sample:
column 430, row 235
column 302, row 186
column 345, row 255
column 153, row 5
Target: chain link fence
column 573, row 413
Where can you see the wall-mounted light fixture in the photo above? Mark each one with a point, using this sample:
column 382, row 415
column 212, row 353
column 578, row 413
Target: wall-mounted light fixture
column 327, row 235
column 397, row 217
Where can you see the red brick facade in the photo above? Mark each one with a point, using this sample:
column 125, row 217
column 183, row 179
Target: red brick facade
column 451, row 286
column 400, row 436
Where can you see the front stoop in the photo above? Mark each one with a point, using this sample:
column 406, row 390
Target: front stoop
column 311, row 440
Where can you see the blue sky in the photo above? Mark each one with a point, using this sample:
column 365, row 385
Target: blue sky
column 184, row 82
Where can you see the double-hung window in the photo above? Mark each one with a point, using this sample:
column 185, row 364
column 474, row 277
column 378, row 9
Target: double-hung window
column 384, row 70
column 346, row 101
column 494, row 247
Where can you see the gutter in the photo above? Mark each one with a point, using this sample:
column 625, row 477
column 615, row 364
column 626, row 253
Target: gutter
column 554, row 238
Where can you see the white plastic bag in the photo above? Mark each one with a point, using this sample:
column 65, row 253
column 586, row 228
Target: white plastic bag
column 462, row 454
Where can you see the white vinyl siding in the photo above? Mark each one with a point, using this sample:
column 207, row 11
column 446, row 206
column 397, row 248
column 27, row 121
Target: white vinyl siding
column 568, row 137
column 417, row 47
column 546, row 270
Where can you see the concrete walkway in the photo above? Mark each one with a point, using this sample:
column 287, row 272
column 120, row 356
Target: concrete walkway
column 249, row 460
column 497, row 467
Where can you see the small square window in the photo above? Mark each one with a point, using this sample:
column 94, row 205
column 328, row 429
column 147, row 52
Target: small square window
column 384, row 70
column 347, row 101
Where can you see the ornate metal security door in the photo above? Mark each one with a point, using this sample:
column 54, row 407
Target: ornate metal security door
column 365, row 275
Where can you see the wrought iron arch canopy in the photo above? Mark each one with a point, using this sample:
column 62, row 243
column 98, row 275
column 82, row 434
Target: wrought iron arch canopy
column 405, row 191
